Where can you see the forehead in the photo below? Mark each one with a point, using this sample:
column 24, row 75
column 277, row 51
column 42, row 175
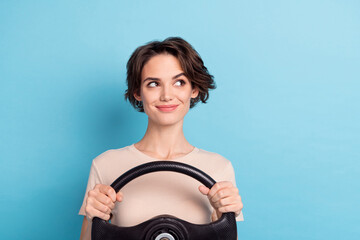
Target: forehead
column 162, row 65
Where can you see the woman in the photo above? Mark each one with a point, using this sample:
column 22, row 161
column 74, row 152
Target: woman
column 165, row 79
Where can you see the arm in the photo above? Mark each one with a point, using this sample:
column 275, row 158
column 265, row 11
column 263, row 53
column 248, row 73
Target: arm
column 84, row 229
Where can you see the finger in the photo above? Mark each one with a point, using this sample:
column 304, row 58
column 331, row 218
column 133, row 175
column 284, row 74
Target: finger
column 217, row 186
column 100, row 207
column 229, row 208
column 204, row 190
column 93, row 212
column 104, row 199
column 109, row 191
column 225, row 201
column 223, row 193
column 119, row 196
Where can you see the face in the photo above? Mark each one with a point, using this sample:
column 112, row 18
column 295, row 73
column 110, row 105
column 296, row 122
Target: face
column 165, row 91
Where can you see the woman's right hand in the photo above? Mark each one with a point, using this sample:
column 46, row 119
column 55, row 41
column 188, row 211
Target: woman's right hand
column 101, row 201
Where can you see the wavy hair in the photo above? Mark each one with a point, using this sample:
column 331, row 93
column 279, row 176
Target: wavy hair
column 190, row 61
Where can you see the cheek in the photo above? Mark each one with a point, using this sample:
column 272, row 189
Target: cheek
column 186, row 97
column 148, row 96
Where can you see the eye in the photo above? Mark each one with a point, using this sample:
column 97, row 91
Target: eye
column 182, row 82
column 152, row 84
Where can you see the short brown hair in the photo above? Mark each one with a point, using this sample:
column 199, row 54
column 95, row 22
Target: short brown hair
column 190, row 62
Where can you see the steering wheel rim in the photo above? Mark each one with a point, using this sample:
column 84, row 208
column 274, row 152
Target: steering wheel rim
column 226, row 222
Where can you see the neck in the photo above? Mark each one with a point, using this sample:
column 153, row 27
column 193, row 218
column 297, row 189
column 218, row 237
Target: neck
column 164, row 141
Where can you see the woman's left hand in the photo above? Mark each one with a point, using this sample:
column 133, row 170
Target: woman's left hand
column 223, row 197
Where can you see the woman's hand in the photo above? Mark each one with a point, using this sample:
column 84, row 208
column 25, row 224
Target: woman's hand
column 223, row 197
column 101, row 201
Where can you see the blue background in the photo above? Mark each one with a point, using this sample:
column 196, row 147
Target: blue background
column 285, row 111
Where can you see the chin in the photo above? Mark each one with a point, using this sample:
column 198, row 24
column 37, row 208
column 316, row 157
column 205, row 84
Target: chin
column 167, row 120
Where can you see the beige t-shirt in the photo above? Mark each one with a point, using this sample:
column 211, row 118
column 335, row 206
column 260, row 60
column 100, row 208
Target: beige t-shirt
column 158, row 193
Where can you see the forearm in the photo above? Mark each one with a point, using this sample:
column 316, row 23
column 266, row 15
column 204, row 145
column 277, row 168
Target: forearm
column 85, row 230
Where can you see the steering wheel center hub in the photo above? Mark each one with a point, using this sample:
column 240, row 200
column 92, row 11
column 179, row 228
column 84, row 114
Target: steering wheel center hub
column 165, row 236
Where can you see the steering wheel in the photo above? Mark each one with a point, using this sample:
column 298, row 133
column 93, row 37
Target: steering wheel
column 165, row 227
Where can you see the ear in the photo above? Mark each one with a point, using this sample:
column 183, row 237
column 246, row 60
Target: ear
column 194, row 92
column 137, row 97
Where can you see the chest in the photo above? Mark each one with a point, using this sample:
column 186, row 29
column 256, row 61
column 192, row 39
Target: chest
column 162, row 193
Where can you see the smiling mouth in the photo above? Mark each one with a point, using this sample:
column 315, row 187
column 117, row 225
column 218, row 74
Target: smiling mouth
column 167, row 108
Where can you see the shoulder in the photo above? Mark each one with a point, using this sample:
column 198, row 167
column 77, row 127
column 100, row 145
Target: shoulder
column 213, row 158
column 112, row 162
column 215, row 164
column 112, row 158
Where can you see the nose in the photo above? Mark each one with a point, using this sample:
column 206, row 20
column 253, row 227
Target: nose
column 166, row 93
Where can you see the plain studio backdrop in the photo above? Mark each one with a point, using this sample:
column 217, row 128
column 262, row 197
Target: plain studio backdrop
column 285, row 111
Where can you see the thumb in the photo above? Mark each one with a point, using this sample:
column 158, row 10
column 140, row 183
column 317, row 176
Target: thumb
column 204, row 190
column 119, row 196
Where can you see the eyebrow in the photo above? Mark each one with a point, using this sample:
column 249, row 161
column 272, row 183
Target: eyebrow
column 157, row 79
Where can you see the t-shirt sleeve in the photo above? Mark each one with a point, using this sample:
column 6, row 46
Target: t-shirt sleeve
column 94, row 178
column 229, row 175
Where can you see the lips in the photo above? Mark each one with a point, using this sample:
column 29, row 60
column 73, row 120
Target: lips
column 167, row 108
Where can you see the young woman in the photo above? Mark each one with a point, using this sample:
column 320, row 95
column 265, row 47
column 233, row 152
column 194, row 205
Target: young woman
column 165, row 79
